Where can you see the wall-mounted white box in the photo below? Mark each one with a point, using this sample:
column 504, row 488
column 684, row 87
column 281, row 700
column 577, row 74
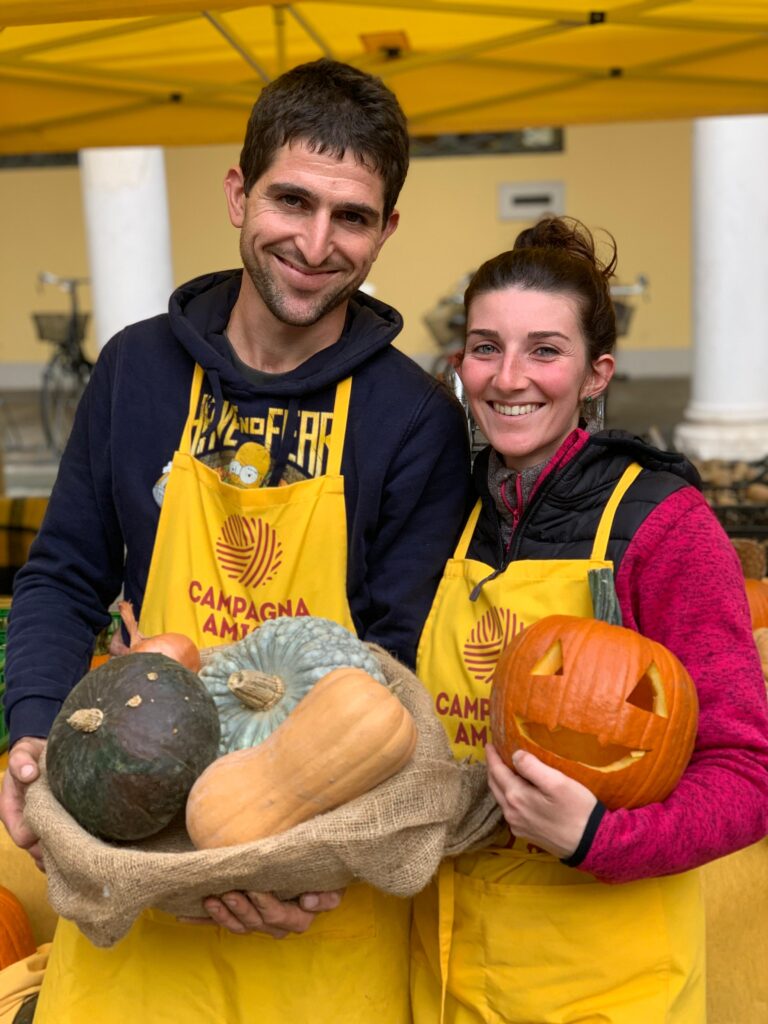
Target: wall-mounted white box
column 529, row 200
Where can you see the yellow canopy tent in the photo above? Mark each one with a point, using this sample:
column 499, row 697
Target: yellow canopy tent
column 77, row 73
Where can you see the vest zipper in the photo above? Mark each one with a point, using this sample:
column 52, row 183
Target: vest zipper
column 523, row 515
column 517, row 510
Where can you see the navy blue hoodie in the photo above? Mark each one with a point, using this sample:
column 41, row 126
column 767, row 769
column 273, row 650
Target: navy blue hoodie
column 405, row 465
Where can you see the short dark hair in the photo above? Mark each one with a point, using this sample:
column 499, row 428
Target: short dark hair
column 558, row 254
column 332, row 107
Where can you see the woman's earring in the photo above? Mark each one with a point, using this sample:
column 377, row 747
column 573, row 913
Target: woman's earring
column 594, row 412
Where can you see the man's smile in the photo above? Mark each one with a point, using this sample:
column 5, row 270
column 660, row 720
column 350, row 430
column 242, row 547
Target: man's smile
column 301, row 270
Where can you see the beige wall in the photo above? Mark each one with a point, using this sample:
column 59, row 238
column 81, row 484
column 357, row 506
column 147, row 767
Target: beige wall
column 633, row 180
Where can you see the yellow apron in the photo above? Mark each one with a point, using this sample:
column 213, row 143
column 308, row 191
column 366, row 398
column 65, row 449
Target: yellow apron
column 351, row 967
column 511, row 935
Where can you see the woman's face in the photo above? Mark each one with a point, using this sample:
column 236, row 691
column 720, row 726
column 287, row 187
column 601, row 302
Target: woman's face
column 525, row 371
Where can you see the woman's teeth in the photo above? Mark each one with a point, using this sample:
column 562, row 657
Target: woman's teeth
column 513, row 410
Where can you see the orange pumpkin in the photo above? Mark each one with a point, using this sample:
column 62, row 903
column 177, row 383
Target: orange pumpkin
column 601, row 703
column 16, row 938
column 757, row 596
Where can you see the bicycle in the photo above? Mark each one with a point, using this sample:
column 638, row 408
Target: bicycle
column 69, row 369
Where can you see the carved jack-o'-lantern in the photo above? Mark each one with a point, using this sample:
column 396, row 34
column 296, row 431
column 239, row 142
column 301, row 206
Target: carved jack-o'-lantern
column 601, row 703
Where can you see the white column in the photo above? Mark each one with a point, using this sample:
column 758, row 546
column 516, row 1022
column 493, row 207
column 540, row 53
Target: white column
column 128, row 234
column 727, row 417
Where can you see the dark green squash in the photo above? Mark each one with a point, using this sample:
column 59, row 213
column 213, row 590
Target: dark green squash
column 127, row 744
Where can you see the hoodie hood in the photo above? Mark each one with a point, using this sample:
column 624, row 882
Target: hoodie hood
column 199, row 312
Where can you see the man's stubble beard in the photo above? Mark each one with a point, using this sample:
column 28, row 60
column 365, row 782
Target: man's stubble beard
column 274, row 299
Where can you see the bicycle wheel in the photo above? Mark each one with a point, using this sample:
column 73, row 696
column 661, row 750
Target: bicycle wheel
column 63, row 384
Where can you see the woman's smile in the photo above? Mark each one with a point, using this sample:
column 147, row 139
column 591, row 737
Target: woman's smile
column 514, row 410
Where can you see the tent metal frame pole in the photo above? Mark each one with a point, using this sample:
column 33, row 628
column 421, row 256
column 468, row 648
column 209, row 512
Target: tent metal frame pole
column 237, row 44
column 112, row 81
column 311, row 31
column 405, row 64
column 95, row 35
column 510, row 97
column 278, row 15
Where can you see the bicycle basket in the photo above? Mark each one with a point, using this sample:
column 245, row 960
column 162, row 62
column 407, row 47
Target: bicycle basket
column 57, row 327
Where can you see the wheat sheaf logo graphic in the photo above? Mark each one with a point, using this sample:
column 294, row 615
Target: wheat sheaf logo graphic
column 248, row 550
column 486, row 641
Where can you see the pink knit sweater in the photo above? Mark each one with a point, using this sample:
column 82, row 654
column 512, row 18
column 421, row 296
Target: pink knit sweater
column 680, row 583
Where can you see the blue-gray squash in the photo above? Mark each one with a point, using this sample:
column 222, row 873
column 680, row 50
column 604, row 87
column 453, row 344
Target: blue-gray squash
column 257, row 681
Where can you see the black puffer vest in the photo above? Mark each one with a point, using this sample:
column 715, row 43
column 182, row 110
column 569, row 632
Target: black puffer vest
column 561, row 519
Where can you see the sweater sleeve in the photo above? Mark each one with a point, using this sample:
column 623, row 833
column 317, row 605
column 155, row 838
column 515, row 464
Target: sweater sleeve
column 680, row 584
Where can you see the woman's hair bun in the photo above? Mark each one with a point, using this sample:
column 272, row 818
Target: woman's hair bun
column 569, row 236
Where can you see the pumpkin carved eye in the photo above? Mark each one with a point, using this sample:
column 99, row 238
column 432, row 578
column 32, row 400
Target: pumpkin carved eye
column 648, row 694
column 552, row 662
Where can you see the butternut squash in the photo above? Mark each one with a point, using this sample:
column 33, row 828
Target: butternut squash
column 348, row 734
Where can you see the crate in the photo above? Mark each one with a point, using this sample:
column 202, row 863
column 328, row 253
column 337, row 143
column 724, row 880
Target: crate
column 743, row 520
column 57, row 327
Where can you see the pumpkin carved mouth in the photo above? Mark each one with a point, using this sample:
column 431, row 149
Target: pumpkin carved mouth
column 579, row 746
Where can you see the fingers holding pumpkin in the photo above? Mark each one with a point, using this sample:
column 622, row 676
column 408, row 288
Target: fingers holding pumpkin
column 244, row 912
column 319, row 901
column 22, row 769
column 539, row 802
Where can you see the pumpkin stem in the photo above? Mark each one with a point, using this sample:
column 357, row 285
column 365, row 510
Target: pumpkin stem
column 86, row 719
column 256, row 690
column 129, row 619
column 605, row 603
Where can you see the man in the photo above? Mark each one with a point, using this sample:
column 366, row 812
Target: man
column 260, row 450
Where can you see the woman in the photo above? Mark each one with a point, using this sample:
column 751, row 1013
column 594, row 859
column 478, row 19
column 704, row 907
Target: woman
column 527, row 930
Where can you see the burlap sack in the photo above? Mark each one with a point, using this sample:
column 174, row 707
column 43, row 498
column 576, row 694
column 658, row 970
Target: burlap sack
column 393, row 837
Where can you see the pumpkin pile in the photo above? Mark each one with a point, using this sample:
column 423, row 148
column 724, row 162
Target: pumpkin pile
column 602, row 704
column 293, row 720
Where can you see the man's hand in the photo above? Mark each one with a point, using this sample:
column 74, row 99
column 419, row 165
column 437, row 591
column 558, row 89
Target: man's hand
column 243, row 912
column 22, row 769
column 540, row 802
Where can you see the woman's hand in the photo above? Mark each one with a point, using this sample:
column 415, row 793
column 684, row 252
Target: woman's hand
column 539, row 802
column 23, row 768
column 244, row 912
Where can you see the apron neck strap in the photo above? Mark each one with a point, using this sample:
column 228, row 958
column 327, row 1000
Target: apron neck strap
column 185, row 444
column 603, row 535
column 338, row 427
column 463, row 546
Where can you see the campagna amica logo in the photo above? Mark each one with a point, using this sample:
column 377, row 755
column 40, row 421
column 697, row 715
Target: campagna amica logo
column 248, row 550
column 487, row 639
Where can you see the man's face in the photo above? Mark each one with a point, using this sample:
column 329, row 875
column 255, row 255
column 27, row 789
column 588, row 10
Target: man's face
column 310, row 229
